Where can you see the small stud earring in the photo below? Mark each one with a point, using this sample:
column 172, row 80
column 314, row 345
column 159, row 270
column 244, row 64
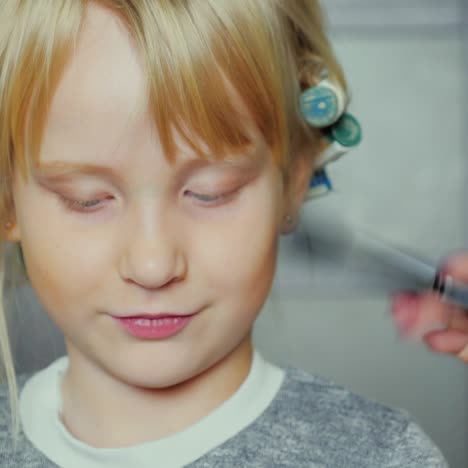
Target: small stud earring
column 289, row 220
column 8, row 225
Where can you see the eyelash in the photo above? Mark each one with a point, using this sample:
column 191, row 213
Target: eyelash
column 83, row 206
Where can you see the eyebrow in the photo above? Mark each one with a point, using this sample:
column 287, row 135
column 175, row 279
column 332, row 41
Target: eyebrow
column 62, row 168
column 65, row 169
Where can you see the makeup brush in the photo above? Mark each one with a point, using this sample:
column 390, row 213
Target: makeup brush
column 370, row 265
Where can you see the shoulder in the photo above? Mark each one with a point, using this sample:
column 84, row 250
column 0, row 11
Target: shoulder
column 5, row 399
column 24, row 455
column 312, row 395
column 331, row 417
column 5, row 411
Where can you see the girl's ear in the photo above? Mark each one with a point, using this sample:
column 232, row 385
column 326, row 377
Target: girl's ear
column 299, row 181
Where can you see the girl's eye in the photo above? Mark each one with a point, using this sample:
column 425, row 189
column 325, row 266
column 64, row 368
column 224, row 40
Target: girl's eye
column 212, row 200
column 90, row 205
column 80, row 205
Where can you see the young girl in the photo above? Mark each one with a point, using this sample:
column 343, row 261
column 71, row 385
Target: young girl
column 152, row 152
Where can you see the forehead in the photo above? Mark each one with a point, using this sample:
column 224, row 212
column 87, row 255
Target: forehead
column 103, row 82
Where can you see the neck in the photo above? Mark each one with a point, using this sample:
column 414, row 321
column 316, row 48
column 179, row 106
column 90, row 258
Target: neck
column 105, row 412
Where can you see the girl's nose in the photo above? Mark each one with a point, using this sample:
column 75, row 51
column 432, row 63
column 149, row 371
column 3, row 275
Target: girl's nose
column 152, row 258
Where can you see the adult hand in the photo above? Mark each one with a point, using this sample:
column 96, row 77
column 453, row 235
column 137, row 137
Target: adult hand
column 443, row 327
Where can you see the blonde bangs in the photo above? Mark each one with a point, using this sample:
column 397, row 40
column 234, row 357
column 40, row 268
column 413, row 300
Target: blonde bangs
column 212, row 67
column 203, row 56
column 32, row 65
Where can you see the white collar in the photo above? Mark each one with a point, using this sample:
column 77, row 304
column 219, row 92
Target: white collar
column 40, row 401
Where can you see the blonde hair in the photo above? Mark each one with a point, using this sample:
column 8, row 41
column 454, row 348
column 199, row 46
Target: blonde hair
column 268, row 50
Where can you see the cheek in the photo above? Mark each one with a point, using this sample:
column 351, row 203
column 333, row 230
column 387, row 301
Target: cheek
column 239, row 257
column 62, row 270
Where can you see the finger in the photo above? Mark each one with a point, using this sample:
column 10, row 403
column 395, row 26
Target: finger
column 456, row 266
column 464, row 355
column 449, row 341
column 458, row 319
column 417, row 314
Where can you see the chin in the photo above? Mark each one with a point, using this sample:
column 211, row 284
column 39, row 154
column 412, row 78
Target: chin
column 155, row 376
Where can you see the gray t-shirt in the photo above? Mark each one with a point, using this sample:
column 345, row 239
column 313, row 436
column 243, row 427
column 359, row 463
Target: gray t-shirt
column 310, row 422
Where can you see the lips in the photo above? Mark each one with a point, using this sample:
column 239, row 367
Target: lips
column 162, row 328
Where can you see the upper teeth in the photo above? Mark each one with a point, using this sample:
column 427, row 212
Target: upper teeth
column 157, row 322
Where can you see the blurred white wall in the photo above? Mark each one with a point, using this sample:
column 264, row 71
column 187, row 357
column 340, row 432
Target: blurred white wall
column 407, row 182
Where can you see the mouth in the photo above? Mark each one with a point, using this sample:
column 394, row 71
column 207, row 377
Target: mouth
column 154, row 326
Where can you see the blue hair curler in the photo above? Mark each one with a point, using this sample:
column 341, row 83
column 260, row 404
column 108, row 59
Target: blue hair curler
column 343, row 136
column 322, row 105
column 320, row 185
